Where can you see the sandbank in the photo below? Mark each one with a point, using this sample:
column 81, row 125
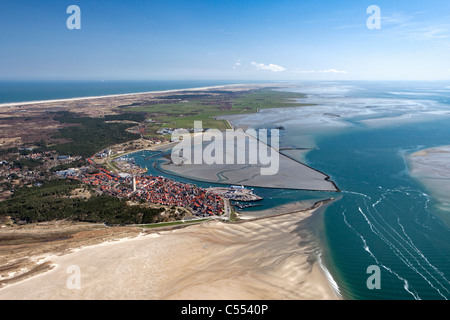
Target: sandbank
column 431, row 167
column 273, row 258
column 287, row 173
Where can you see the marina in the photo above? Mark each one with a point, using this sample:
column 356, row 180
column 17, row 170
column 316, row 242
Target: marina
column 236, row 193
column 242, row 206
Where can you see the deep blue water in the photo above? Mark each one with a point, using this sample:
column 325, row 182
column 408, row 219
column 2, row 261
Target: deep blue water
column 21, row 91
column 384, row 218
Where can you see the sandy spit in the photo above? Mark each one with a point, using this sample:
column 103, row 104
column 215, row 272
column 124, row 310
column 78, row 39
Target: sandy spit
column 262, row 259
column 137, row 94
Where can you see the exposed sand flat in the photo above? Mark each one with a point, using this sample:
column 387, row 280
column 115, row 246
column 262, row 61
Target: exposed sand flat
column 286, row 173
column 431, row 163
column 262, row 259
column 432, row 168
column 278, row 210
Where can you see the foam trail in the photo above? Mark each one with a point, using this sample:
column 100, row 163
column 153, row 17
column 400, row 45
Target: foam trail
column 400, row 254
column 328, row 275
column 425, row 258
column 409, row 240
column 397, row 252
column 367, row 249
column 411, row 244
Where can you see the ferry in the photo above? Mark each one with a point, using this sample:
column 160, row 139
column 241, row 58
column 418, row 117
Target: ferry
column 247, row 205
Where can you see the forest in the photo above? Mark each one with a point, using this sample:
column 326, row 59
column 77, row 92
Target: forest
column 53, row 201
column 88, row 136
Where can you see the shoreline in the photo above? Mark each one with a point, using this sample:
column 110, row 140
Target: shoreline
column 179, row 175
column 163, row 92
column 239, row 244
column 327, row 177
column 429, row 167
column 313, row 179
column 314, row 270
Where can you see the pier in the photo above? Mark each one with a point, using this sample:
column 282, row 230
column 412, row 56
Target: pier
column 242, row 206
column 236, row 193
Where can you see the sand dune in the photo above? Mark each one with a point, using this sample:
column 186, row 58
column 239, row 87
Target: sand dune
column 138, row 94
column 261, row 259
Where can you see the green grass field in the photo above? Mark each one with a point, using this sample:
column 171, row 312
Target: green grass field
column 168, row 224
column 206, row 108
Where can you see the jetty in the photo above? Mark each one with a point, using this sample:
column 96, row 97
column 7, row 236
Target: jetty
column 236, row 193
column 242, row 206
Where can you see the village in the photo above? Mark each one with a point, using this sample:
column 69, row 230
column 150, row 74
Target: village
column 112, row 172
column 153, row 189
column 30, row 166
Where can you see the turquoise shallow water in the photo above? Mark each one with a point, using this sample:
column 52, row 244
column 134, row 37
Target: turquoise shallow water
column 384, row 218
column 272, row 197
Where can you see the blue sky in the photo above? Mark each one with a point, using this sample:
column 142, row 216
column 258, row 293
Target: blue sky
column 230, row 40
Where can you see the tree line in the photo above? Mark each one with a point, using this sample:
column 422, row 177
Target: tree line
column 51, row 201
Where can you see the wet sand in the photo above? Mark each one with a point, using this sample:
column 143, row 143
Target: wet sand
column 432, row 168
column 285, row 173
column 274, row 258
column 278, row 210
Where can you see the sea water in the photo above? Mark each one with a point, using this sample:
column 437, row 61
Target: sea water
column 359, row 133
column 384, row 218
column 22, row 91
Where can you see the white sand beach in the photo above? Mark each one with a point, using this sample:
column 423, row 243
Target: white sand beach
column 137, row 94
column 259, row 259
